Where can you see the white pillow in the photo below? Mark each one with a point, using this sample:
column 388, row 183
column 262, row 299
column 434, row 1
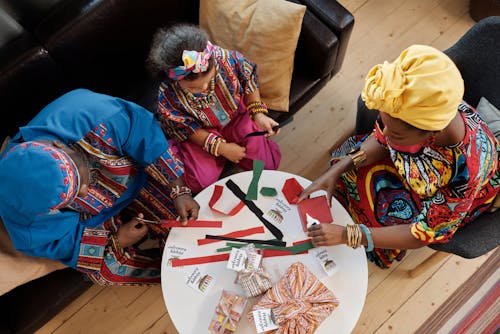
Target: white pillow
column 490, row 115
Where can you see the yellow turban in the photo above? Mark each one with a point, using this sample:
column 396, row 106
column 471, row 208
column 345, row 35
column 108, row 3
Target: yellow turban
column 422, row 87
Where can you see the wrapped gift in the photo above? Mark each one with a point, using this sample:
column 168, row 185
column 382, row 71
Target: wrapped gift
column 227, row 313
column 253, row 278
column 299, row 302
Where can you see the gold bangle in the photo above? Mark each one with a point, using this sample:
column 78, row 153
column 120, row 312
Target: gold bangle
column 357, row 155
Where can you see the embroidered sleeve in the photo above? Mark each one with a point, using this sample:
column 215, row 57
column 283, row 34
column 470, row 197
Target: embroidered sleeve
column 246, row 72
column 166, row 168
column 172, row 114
column 92, row 247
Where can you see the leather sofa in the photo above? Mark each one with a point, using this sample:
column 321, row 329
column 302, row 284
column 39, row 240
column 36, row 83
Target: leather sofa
column 48, row 47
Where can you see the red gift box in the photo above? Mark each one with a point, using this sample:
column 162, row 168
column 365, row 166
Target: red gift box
column 317, row 208
column 291, row 190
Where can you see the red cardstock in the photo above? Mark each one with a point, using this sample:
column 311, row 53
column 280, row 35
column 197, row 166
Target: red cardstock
column 316, row 207
column 291, row 190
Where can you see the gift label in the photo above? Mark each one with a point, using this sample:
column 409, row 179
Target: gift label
column 278, row 210
column 200, row 281
column 324, row 259
column 237, row 259
column 174, row 252
column 253, row 261
column 264, row 320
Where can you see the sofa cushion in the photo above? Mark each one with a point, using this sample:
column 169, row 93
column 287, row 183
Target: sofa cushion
column 266, row 32
column 491, row 115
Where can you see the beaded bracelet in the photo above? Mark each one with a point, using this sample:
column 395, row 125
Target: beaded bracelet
column 368, row 236
column 177, row 191
column 256, row 107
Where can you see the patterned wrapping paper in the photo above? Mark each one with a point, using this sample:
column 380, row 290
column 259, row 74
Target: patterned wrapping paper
column 254, row 281
column 227, row 313
column 299, row 302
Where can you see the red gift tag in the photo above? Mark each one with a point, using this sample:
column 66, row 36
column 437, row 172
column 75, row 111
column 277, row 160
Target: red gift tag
column 317, row 208
column 291, row 190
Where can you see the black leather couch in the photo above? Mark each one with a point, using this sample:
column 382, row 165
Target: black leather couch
column 48, row 47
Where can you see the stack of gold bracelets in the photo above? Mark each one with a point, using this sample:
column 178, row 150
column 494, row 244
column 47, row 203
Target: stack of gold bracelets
column 212, row 143
column 256, row 107
column 355, row 236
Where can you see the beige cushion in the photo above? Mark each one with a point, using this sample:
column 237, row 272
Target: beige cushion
column 17, row 268
column 265, row 32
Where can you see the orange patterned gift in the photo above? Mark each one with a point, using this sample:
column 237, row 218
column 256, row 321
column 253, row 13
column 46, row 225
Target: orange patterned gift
column 299, row 302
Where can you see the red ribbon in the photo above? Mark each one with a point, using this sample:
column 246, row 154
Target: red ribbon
column 216, row 196
column 235, row 234
column 191, row 223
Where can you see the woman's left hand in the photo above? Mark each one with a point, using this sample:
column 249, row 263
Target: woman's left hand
column 187, row 208
column 327, row 234
column 266, row 123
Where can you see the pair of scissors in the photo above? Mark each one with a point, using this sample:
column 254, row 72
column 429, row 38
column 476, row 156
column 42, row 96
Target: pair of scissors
column 275, row 128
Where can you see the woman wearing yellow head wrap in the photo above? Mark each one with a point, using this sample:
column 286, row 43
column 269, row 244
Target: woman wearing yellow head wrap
column 429, row 166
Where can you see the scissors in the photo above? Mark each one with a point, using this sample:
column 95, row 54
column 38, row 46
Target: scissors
column 275, row 128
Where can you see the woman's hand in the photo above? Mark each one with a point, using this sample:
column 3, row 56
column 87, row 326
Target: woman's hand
column 232, row 152
column 266, row 123
column 326, row 182
column 187, row 208
column 327, row 234
column 131, row 232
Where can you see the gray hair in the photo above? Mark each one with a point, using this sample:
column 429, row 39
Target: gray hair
column 169, row 43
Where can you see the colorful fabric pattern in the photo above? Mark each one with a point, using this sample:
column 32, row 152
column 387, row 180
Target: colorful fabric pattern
column 128, row 179
column 235, row 77
column 299, row 301
column 194, row 61
column 435, row 190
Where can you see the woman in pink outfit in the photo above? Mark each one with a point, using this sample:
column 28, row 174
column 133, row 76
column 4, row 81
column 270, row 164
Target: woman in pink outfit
column 208, row 101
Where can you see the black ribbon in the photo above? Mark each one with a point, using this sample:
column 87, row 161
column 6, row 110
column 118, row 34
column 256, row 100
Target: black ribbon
column 249, row 241
column 251, row 205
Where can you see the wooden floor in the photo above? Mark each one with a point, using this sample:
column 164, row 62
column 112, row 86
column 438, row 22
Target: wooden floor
column 395, row 303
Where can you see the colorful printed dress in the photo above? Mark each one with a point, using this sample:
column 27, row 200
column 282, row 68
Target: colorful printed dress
column 126, row 178
column 435, row 190
column 180, row 114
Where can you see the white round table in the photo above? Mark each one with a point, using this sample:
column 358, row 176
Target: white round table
column 191, row 310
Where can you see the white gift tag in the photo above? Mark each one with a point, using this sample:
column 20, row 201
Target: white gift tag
column 200, row 281
column 253, row 261
column 237, row 259
column 263, row 320
column 173, row 252
column 326, row 262
column 278, row 211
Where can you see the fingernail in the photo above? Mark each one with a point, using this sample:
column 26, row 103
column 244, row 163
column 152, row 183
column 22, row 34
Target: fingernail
column 138, row 225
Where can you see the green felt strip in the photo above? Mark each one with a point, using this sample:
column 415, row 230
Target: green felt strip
column 225, row 249
column 267, row 191
column 258, row 167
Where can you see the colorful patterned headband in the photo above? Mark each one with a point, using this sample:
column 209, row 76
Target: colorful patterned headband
column 194, row 62
column 44, row 177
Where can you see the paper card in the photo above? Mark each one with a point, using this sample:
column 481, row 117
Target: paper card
column 253, row 261
column 264, row 320
column 200, row 281
column 324, row 259
column 278, row 211
column 292, row 189
column 172, row 252
column 317, row 208
column 237, row 259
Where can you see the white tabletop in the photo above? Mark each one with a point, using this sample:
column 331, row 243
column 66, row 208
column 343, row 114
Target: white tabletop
column 192, row 310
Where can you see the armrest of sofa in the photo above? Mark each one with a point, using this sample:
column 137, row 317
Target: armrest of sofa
column 338, row 19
